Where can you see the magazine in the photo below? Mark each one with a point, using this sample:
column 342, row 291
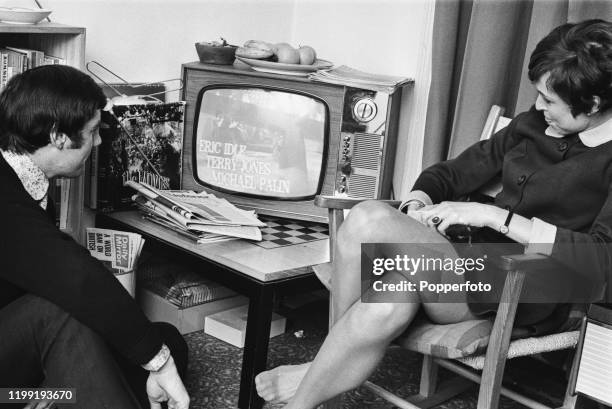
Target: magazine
column 345, row 75
column 195, row 213
column 198, row 237
column 196, row 208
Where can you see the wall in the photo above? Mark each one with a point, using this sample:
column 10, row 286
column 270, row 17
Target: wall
column 148, row 40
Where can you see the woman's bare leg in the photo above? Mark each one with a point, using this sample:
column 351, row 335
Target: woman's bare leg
column 357, row 342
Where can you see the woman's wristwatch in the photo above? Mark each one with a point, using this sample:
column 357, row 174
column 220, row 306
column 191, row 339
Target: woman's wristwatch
column 159, row 360
column 505, row 228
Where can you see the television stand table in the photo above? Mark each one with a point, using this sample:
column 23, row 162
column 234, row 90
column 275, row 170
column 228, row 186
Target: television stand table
column 249, row 269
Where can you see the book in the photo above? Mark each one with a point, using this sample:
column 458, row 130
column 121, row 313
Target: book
column 142, row 143
column 35, row 58
column 230, row 325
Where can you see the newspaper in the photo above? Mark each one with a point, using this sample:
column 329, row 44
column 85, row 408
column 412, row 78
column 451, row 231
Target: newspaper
column 198, row 237
column 118, row 250
column 345, row 75
column 177, row 222
column 196, row 208
column 214, row 209
column 196, row 213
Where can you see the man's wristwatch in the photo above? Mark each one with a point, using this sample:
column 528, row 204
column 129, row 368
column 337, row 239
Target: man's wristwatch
column 504, row 228
column 158, row 360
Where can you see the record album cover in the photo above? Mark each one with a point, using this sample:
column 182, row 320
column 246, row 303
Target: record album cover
column 142, row 143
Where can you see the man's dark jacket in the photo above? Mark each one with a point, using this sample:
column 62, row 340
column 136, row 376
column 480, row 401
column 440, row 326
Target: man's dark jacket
column 36, row 258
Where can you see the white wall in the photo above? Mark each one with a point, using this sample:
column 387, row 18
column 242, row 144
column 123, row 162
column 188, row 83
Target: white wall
column 148, row 40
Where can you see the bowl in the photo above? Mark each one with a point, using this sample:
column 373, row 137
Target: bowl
column 20, row 15
column 216, row 54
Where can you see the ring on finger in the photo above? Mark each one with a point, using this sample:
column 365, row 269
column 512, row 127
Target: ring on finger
column 436, row 220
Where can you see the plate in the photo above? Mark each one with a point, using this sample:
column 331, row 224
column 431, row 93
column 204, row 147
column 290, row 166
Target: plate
column 19, row 15
column 285, row 69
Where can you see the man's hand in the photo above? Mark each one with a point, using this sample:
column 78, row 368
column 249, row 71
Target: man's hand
column 166, row 385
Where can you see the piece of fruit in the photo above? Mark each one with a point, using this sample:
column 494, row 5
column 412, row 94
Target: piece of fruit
column 308, row 55
column 255, row 53
column 262, row 45
column 287, row 55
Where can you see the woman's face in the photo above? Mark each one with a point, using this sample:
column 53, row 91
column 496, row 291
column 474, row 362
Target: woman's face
column 557, row 113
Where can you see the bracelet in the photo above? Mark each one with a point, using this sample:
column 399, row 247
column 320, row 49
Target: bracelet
column 404, row 208
column 159, row 360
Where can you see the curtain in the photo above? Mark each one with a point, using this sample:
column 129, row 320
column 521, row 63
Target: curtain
column 480, row 53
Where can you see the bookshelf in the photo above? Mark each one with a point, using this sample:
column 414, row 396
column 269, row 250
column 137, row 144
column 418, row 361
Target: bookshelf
column 67, row 42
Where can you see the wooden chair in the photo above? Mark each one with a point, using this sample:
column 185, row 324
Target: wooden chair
column 487, row 369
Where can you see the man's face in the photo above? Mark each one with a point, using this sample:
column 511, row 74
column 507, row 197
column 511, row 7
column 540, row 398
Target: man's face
column 73, row 159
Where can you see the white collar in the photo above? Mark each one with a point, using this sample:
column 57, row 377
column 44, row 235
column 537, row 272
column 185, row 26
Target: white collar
column 591, row 137
column 31, row 176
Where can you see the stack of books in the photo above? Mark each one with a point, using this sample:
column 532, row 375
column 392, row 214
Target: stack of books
column 15, row 60
column 347, row 76
column 199, row 216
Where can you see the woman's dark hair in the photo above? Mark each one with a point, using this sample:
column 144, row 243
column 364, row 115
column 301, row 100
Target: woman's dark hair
column 579, row 59
column 44, row 98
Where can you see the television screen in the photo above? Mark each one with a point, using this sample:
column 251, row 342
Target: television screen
column 260, row 142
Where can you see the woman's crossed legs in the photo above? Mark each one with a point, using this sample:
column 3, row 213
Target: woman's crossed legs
column 358, row 340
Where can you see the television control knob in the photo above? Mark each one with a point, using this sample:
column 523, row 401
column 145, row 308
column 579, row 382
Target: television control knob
column 346, row 168
column 347, row 138
column 342, row 189
column 343, row 178
column 364, row 110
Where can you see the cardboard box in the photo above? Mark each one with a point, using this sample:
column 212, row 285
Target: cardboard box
column 187, row 320
column 230, row 325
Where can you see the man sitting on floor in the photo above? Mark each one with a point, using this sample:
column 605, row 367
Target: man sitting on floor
column 65, row 321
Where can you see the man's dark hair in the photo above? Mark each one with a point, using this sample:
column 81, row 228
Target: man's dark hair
column 579, row 59
column 45, row 98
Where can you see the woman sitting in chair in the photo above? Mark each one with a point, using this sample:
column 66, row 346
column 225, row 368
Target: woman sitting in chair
column 556, row 167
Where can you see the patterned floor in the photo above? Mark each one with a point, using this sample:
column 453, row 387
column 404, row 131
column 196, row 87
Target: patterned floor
column 214, row 369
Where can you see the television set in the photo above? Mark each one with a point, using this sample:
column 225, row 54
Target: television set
column 271, row 142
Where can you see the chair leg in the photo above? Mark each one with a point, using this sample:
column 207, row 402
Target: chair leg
column 497, row 351
column 431, row 393
column 429, row 377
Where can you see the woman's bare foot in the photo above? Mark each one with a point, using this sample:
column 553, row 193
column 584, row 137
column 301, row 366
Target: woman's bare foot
column 278, row 385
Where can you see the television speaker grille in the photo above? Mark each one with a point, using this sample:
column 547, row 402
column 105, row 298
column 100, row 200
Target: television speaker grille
column 367, row 151
column 363, row 186
column 366, row 164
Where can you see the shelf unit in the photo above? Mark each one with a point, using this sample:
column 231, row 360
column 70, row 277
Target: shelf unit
column 67, row 42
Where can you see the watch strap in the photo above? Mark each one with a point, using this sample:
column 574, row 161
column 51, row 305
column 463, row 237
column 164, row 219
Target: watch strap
column 505, row 228
column 159, row 360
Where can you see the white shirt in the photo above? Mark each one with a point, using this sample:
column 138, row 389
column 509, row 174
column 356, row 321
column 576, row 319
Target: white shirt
column 31, row 176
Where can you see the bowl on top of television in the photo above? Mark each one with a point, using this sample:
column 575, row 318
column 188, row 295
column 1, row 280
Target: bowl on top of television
column 282, row 58
column 216, row 52
column 23, row 15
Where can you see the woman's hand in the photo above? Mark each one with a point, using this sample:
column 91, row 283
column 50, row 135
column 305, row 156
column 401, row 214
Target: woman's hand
column 442, row 215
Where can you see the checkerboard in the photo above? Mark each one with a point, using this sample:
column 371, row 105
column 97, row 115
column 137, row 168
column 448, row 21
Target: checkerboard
column 284, row 232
